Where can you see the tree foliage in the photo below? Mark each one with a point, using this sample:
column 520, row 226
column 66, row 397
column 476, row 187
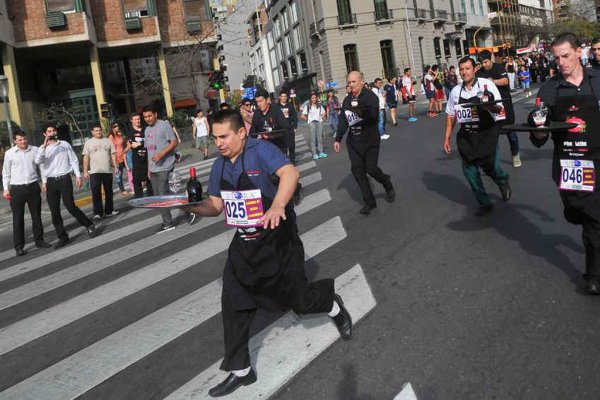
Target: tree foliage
column 584, row 29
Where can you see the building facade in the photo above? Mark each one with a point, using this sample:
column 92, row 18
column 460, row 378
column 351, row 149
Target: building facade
column 104, row 58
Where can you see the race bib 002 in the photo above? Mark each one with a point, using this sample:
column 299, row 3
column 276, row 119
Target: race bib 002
column 465, row 115
column 577, row 175
column 242, row 208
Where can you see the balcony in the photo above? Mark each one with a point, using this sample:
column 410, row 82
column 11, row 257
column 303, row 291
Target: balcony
column 317, row 28
column 421, row 14
column 385, row 16
column 348, row 20
column 460, row 18
column 440, row 16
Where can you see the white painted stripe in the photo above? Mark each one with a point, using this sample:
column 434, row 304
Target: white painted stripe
column 79, row 247
column 305, row 166
column 285, row 347
column 42, row 323
column 63, row 277
column 93, row 365
column 407, row 393
column 310, row 179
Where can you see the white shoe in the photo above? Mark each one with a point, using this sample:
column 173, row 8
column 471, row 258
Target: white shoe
column 191, row 218
column 112, row 214
column 97, row 217
column 386, row 136
column 516, row 161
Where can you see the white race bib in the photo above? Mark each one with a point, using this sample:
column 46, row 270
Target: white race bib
column 465, row 115
column 242, row 208
column 577, row 175
column 352, row 118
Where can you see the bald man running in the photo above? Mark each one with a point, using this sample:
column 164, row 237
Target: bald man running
column 360, row 113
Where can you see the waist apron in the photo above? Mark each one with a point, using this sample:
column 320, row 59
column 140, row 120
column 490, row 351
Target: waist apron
column 576, row 154
column 263, row 265
column 477, row 138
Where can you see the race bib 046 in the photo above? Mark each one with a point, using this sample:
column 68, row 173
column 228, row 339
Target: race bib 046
column 577, row 175
column 352, row 118
column 465, row 115
column 242, row 208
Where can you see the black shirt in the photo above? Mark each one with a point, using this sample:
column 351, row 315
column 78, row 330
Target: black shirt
column 289, row 113
column 272, row 120
column 139, row 154
column 497, row 72
column 365, row 113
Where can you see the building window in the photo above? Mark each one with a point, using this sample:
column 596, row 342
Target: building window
column 351, row 57
column 344, row 11
column 458, row 48
column 270, row 39
column 135, row 8
column 284, row 19
column 381, row 10
column 60, row 5
column 194, row 10
column 276, row 27
column 273, row 57
column 284, row 70
column 294, row 12
column 297, row 38
column 437, row 48
column 463, row 6
column 465, row 47
column 387, row 56
column 481, row 6
column 293, row 65
column 447, row 48
column 280, row 53
column 303, row 63
column 473, row 7
column 286, row 42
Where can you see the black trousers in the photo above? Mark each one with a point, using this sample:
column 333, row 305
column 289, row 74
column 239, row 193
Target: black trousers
column 97, row 182
column 591, row 239
column 363, row 161
column 62, row 187
column 19, row 196
column 313, row 298
column 138, row 189
column 290, row 144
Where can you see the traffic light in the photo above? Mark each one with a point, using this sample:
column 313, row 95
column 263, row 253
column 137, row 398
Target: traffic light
column 104, row 110
column 218, row 80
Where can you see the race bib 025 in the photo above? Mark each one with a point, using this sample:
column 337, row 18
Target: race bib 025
column 577, row 175
column 242, row 208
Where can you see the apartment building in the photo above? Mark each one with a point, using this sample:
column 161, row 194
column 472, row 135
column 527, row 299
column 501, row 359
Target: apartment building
column 535, row 17
column 105, row 57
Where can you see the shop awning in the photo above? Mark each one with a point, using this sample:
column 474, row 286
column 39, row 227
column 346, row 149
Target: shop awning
column 185, row 103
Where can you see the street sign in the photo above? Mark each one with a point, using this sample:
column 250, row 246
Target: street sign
column 249, row 93
column 332, row 85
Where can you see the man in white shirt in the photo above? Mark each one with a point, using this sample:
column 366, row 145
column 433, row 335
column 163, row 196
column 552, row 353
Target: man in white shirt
column 98, row 155
column 200, row 132
column 20, row 181
column 58, row 160
column 378, row 90
column 408, row 83
column 477, row 138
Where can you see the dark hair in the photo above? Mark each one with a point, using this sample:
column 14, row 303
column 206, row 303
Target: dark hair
column 50, row 125
column 595, row 40
column 427, row 68
column 246, row 100
column 134, row 114
column 467, row 59
column 224, row 106
column 97, row 125
column 284, row 92
column 262, row 93
column 18, row 133
column 485, row 55
column 198, row 110
column 149, row 108
column 234, row 118
column 566, row 37
column 435, row 67
column 406, row 70
column 378, row 80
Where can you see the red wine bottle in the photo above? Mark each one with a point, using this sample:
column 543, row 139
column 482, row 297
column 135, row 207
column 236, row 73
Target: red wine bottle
column 487, row 95
column 194, row 188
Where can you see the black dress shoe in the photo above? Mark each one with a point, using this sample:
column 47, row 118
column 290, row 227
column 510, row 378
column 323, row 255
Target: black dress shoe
column 62, row 243
column 232, row 383
column 592, row 287
column 483, row 210
column 20, row 252
column 343, row 321
column 42, row 245
column 505, row 191
column 390, row 194
column 366, row 210
column 92, row 232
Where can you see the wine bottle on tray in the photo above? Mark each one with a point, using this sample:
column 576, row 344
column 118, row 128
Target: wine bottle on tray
column 194, row 188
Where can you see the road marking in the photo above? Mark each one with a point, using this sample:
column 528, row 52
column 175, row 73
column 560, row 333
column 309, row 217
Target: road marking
column 407, row 393
column 285, row 347
column 44, row 322
column 96, row 363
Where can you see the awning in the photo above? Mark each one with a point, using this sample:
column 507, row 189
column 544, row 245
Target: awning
column 185, row 103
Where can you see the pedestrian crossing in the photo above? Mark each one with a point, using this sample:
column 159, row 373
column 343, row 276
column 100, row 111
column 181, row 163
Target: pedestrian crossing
column 75, row 320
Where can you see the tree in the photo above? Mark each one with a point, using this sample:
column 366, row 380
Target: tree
column 253, row 81
column 582, row 28
column 62, row 114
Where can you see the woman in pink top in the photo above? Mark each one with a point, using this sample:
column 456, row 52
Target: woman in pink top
column 246, row 112
column 121, row 147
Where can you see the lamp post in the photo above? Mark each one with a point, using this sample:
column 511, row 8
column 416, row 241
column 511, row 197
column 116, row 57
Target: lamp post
column 4, row 95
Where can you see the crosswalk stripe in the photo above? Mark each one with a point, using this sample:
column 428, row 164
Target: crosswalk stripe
column 285, row 347
column 91, row 366
column 37, row 325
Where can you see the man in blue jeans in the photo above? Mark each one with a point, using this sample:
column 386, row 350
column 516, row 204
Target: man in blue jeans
column 377, row 89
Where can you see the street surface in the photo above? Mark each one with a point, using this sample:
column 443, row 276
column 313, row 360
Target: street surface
column 459, row 306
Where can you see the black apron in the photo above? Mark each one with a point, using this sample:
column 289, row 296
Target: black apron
column 477, row 141
column 582, row 144
column 263, row 264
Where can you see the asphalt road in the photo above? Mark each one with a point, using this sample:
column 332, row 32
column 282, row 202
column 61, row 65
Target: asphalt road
column 463, row 307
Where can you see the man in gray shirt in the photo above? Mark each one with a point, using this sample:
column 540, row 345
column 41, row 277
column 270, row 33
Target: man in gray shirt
column 160, row 143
